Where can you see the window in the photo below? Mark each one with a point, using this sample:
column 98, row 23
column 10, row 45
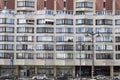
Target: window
column 84, row 5
column 25, row 30
column 64, row 30
column 64, row 56
column 83, row 30
column 65, row 12
column 45, row 30
column 104, row 56
column 83, row 39
column 64, row 39
column 40, row 21
column 25, row 21
column 84, row 13
column 6, row 47
column 5, row 2
column 64, row 4
column 104, row 4
column 64, row 21
column 117, row 12
column 44, row 3
column 6, row 11
column 25, row 38
column 118, row 56
column 80, row 38
column 117, row 38
column 64, row 70
column 44, row 38
column 88, row 56
column 46, row 70
column 40, row 55
column 104, row 30
column 45, row 21
column 6, row 29
column 80, row 47
column 47, row 12
column 117, row 30
column 104, row 22
column 21, row 21
column 80, row 30
column 117, row 22
column 24, row 55
column 100, row 47
column 25, row 4
column 47, row 47
column 64, row 47
column 68, row 55
column 104, row 39
column 84, row 21
column 25, row 12
column 4, row 55
column 117, row 47
column 68, row 30
column 84, row 47
column 6, row 21
column 83, row 56
column 104, row 12
column 6, row 38
column 9, row 21
column 30, row 21
column 80, row 56
column 49, row 55
column 60, row 56
column 24, row 47
column 104, row 47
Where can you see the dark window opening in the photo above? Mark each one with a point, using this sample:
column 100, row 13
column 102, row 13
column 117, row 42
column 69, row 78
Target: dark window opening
column 44, row 3
column 64, row 4
column 102, row 70
column 103, row 4
column 5, row 2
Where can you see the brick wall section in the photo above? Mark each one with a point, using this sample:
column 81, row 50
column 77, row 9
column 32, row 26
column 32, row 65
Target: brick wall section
column 50, row 4
column 117, row 4
column 109, row 4
column 1, row 4
column 59, row 4
column 69, row 4
column 99, row 5
column 10, row 4
column 40, row 4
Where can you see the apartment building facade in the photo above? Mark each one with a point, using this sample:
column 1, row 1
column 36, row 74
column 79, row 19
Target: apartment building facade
column 48, row 36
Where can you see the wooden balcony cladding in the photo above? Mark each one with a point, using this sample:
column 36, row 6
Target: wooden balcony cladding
column 59, row 4
column 10, row 4
column 69, row 4
column 109, row 4
column 50, row 4
column 40, row 4
column 1, row 4
column 99, row 5
column 117, row 4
